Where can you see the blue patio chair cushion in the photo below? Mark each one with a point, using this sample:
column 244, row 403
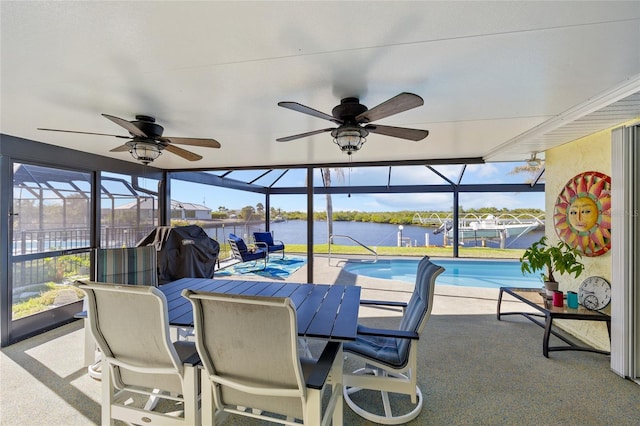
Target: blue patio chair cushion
column 247, row 255
column 256, row 255
column 417, row 306
column 239, row 242
column 395, row 351
column 263, row 237
column 378, row 348
column 267, row 238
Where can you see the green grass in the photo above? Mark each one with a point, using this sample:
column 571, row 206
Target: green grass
column 48, row 292
column 41, row 302
column 434, row 251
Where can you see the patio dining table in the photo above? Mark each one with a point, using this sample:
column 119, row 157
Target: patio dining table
column 323, row 311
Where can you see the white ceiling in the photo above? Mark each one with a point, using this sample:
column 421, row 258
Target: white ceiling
column 499, row 79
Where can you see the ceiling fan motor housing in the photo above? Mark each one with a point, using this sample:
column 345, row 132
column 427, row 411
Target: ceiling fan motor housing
column 348, row 110
column 148, row 126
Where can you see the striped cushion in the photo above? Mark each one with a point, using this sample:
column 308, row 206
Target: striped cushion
column 134, row 265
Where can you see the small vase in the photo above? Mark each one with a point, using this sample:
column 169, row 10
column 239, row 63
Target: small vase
column 550, row 287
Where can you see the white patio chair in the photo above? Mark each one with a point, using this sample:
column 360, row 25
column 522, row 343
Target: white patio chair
column 131, row 327
column 248, row 348
column 390, row 356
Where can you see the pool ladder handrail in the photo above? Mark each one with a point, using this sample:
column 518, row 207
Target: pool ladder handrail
column 332, row 236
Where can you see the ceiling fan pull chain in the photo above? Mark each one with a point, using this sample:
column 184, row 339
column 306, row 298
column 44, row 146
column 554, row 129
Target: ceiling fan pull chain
column 349, row 194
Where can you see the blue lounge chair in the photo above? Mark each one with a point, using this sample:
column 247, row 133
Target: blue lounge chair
column 243, row 254
column 265, row 239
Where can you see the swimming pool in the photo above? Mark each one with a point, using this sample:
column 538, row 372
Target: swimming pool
column 458, row 272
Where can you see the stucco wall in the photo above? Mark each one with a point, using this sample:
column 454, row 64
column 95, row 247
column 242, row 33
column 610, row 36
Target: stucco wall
column 592, row 153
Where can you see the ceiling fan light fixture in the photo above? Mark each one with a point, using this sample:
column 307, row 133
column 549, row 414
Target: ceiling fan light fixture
column 349, row 138
column 145, row 152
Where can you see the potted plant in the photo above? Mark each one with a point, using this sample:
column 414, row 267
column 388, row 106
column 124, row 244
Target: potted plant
column 560, row 258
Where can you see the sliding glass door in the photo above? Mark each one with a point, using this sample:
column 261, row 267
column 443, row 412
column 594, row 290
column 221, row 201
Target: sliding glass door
column 50, row 242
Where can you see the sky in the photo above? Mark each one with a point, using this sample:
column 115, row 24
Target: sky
column 215, row 198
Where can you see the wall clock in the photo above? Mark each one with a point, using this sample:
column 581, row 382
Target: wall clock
column 582, row 214
column 594, row 293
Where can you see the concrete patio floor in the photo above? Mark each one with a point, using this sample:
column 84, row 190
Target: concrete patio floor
column 473, row 369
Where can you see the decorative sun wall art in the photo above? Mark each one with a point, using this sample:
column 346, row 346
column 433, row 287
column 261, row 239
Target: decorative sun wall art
column 582, row 215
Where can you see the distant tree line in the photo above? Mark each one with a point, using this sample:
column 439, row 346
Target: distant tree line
column 406, row 217
column 403, row 217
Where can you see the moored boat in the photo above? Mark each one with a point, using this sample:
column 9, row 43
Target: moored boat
column 489, row 228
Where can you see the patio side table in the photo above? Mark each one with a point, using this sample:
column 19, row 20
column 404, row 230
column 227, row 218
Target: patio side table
column 537, row 300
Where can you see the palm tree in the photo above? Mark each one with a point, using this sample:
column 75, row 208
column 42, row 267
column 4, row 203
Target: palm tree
column 326, row 175
column 531, row 171
column 247, row 212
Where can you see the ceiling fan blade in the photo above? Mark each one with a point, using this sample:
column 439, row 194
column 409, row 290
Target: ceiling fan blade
column 187, row 155
column 207, row 143
column 398, row 132
column 308, row 110
column 126, row 124
column 84, row 133
column 399, row 103
column 303, row 135
column 121, row 148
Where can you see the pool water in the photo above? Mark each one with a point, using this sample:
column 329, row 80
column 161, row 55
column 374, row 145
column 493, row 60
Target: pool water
column 458, row 272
